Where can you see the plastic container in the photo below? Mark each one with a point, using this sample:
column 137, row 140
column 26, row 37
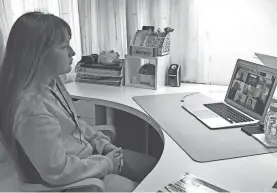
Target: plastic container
column 270, row 125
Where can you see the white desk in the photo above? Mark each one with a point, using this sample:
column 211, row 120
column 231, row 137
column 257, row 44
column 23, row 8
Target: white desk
column 254, row 173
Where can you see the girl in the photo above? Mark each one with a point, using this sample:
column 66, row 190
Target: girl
column 38, row 121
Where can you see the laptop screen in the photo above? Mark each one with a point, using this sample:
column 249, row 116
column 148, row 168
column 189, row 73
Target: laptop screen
column 251, row 88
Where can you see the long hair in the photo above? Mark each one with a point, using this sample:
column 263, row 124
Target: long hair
column 30, row 37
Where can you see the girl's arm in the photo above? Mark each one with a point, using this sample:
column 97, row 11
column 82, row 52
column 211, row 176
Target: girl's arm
column 41, row 139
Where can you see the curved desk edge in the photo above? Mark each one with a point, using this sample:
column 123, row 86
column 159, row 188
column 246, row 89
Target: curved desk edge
column 127, row 109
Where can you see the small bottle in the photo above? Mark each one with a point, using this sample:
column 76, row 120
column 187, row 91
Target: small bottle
column 270, row 125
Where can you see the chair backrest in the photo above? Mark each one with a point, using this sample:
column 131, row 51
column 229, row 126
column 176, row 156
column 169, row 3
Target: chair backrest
column 27, row 173
column 31, row 181
column 3, row 152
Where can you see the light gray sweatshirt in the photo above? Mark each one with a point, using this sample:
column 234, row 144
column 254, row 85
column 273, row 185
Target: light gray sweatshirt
column 50, row 139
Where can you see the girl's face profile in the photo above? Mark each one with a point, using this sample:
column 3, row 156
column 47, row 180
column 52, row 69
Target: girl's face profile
column 58, row 59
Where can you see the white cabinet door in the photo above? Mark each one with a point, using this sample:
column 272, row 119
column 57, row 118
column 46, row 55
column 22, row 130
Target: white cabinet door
column 89, row 121
column 85, row 109
column 93, row 114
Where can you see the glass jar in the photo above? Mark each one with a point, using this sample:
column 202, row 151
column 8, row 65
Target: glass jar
column 270, row 125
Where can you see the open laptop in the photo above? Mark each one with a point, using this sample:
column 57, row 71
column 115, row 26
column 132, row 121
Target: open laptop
column 246, row 102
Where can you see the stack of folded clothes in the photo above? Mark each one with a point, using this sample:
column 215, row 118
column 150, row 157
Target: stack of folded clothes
column 106, row 69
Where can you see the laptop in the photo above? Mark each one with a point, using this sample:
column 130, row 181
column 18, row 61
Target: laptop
column 246, row 102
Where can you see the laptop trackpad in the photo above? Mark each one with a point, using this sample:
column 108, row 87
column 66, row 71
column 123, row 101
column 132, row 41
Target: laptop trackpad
column 205, row 114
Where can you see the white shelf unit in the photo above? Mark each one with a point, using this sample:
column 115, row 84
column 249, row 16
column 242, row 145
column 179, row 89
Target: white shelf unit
column 133, row 64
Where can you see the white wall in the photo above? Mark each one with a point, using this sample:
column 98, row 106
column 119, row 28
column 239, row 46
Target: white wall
column 231, row 29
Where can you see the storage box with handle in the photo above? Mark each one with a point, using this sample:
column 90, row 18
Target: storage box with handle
column 150, row 45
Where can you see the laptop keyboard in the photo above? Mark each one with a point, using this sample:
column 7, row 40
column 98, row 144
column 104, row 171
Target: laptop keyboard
column 227, row 112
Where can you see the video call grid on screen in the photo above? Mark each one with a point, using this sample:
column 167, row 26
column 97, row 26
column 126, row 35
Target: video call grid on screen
column 251, row 88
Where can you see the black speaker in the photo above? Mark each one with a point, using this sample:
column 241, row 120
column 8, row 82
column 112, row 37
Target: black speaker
column 174, row 75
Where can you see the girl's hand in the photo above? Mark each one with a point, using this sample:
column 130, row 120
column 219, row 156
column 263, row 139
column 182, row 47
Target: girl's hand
column 108, row 148
column 117, row 158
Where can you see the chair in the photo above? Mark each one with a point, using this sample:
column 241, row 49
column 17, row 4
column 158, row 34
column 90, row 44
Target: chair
column 94, row 183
